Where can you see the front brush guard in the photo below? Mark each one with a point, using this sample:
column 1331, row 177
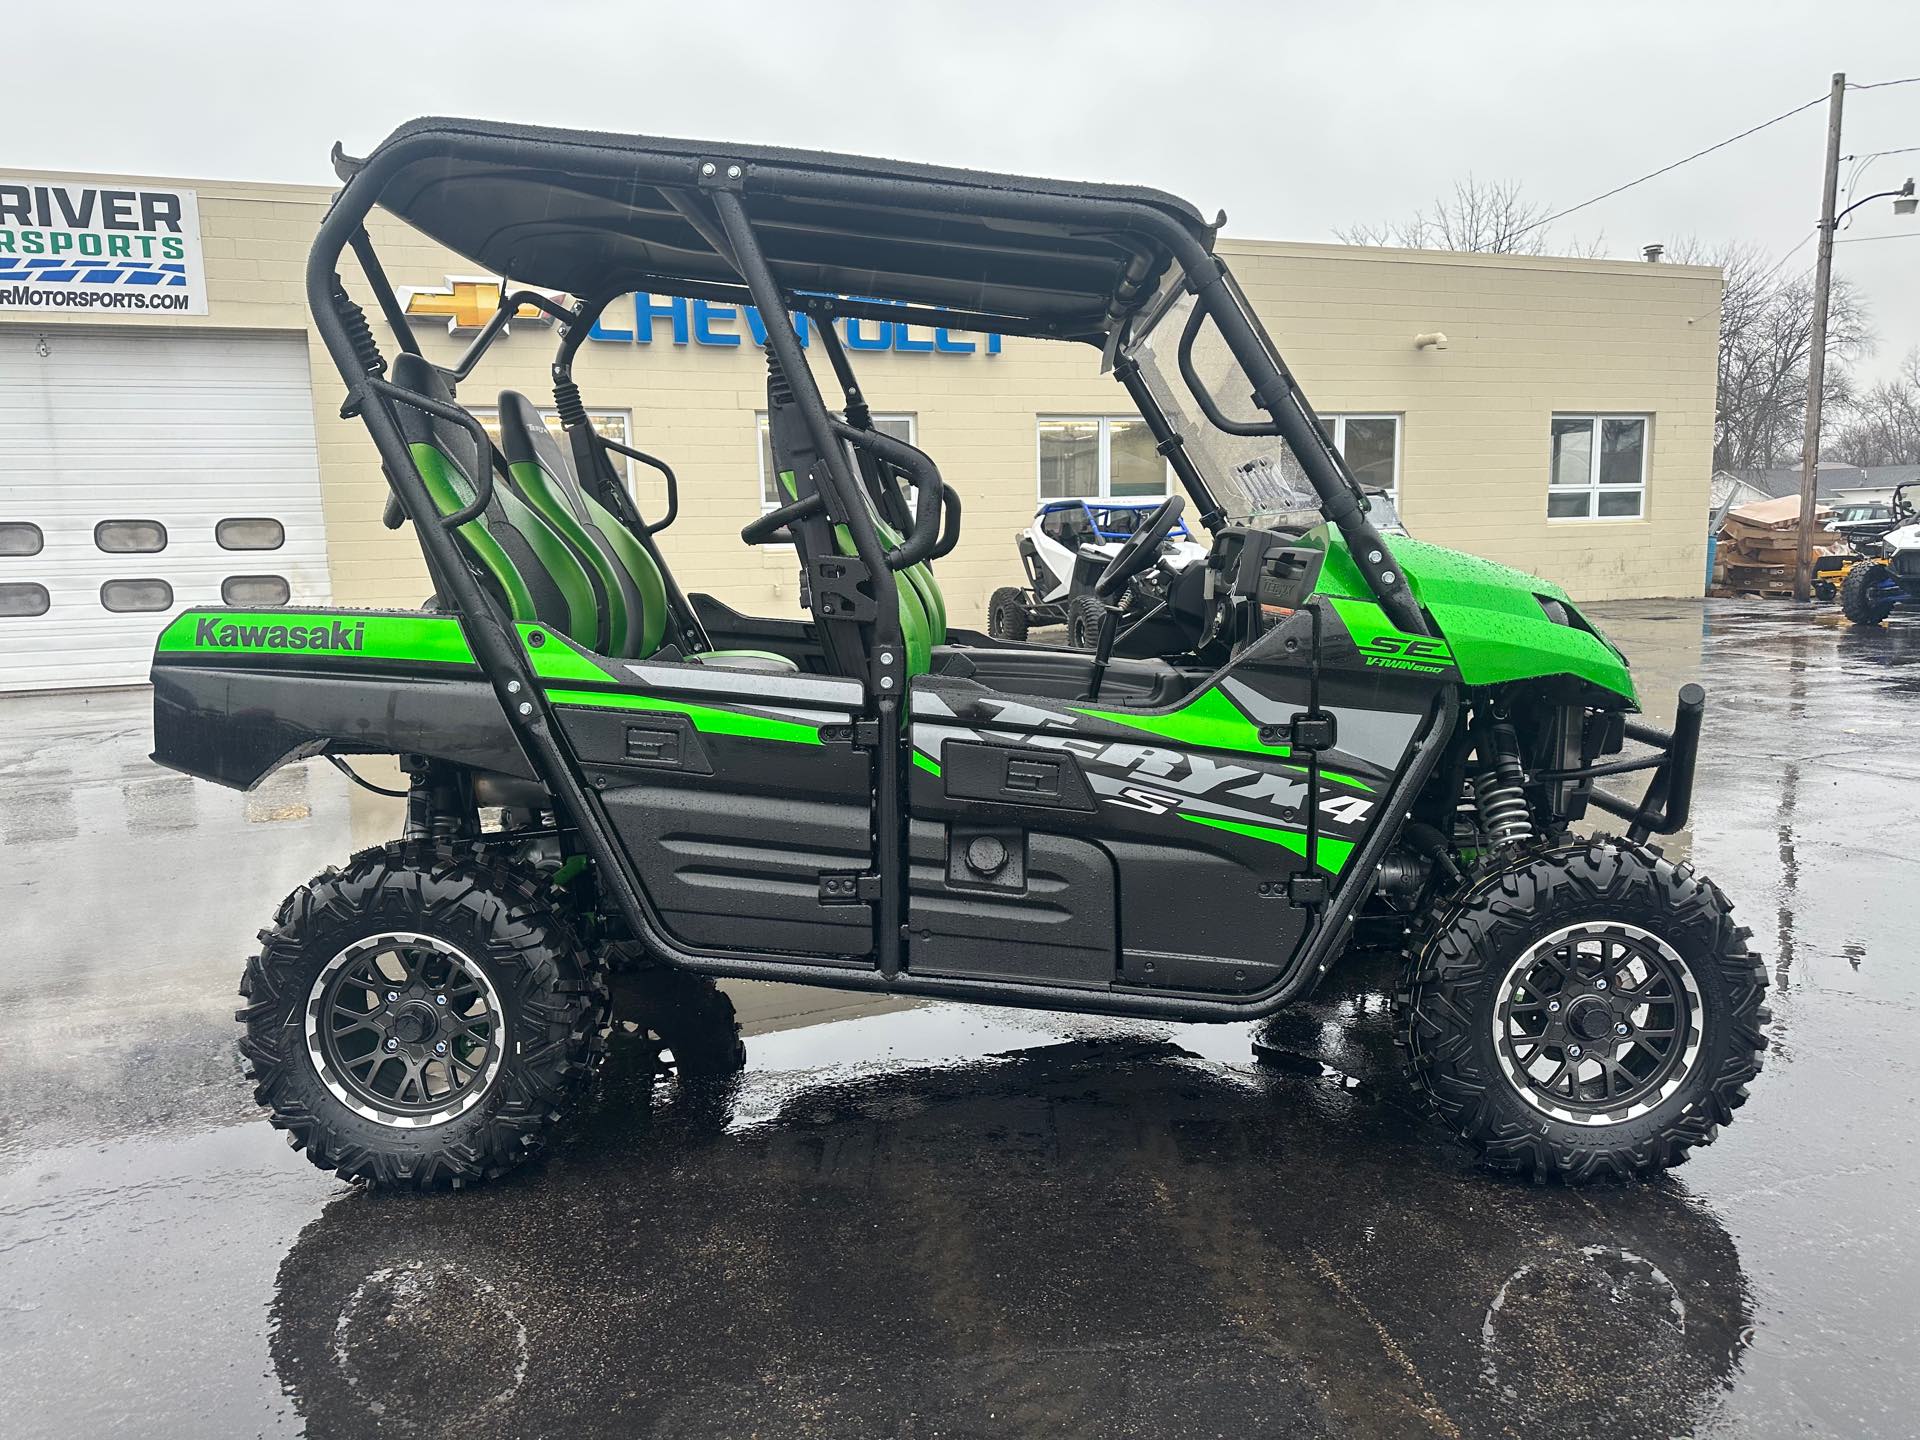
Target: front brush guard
column 1669, row 796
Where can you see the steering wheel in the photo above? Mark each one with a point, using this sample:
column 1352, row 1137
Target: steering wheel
column 1139, row 550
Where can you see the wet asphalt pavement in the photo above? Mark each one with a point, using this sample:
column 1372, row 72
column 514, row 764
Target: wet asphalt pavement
column 944, row 1221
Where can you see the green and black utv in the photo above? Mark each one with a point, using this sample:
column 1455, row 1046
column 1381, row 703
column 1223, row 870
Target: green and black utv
column 608, row 774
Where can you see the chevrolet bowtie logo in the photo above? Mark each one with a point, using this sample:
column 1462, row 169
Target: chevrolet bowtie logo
column 467, row 303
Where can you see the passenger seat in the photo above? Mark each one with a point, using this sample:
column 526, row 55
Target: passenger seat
column 626, row 580
column 518, row 554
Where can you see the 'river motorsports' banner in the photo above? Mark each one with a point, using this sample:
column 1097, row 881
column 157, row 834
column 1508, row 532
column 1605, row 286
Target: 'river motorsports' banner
column 80, row 245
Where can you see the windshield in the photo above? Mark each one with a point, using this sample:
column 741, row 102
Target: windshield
column 1255, row 479
column 1865, row 510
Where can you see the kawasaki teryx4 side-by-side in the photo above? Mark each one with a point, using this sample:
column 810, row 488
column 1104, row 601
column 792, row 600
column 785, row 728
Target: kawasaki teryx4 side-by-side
column 607, row 774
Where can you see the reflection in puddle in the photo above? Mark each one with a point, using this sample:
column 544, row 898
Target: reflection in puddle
column 949, row 1219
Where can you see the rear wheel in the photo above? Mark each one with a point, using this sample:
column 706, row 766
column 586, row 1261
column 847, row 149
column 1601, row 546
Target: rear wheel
column 422, row 1017
column 1869, row 593
column 1084, row 618
column 1582, row 1010
column 1007, row 613
column 686, row 1020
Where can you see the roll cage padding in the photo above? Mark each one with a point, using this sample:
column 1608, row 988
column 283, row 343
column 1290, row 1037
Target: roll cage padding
column 635, row 618
column 521, row 557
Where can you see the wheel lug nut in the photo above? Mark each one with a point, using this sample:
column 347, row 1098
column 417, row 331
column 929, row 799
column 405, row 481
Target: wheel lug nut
column 1554, row 1006
column 1599, row 984
column 392, row 995
column 1621, row 1028
column 1574, row 1051
column 441, row 1048
column 392, row 1044
column 439, row 999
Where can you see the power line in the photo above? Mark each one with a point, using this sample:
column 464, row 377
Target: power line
column 1655, row 174
column 1882, row 84
column 1869, row 239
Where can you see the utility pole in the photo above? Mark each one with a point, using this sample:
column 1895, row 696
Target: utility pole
column 1817, row 353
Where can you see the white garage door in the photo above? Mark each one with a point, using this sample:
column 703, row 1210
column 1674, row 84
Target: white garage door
column 142, row 473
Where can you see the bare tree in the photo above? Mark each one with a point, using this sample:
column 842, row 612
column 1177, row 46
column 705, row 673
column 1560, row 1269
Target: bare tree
column 1492, row 217
column 1766, row 337
column 1883, row 426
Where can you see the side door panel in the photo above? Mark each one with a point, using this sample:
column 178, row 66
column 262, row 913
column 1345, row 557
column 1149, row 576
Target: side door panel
column 738, row 796
column 1200, row 810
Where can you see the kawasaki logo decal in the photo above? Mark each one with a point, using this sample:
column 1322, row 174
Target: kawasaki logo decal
column 211, row 632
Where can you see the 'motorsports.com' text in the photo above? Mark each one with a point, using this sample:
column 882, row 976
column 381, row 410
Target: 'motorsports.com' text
column 30, row 297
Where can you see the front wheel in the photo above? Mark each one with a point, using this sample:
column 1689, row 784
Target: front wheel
column 1869, row 593
column 1085, row 615
column 1007, row 613
column 421, row 1017
column 1582, row 1010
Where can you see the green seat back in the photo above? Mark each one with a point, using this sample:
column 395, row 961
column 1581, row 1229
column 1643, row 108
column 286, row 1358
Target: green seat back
column 630, row 589
column 518, row 554
column 923, row 609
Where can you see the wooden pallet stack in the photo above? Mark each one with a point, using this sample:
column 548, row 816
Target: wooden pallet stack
column 1754, row 555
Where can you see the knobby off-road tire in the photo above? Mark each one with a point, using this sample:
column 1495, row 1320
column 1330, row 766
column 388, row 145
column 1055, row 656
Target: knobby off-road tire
column 1864, row 597
column 687, row 1018
column 1607, row 934
column 1084, row 617
column 1007, row 613
column 412, row 946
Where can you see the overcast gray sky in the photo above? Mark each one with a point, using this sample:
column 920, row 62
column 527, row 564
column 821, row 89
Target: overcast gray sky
column 1294, row 118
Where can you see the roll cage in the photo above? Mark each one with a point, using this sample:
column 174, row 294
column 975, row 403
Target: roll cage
column 786, row 231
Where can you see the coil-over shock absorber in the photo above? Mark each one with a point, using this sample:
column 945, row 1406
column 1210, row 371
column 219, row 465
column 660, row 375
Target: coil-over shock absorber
column 1498, row 787
column 365, row 348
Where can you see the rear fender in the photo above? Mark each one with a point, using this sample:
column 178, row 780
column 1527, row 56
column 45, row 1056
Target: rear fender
column 237, row 695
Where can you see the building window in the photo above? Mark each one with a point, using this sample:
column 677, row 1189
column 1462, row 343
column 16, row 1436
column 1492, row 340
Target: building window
column 130, row 537
column 900, row 427
column 125, row 596
column 255, row 590
column 22, row 598
column 21, row 538
column 250, row 533
column 1103, row 457
column 1599, row 468
column 1370, row 444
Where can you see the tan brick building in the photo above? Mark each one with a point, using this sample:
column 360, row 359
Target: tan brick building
column 1565, row 425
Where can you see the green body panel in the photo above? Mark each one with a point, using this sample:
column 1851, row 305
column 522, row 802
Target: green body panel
column 1489, row 615
column 1207, row 721
column 537, row 488
column 421, row 639
column 707, row 719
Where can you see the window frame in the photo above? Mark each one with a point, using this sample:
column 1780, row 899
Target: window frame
column 1339, row 418
column 1594, row 489
column 763, row 447
column 1104, row 441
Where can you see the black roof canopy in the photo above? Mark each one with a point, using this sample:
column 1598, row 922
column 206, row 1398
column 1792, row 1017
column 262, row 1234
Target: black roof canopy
column 593, row 214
